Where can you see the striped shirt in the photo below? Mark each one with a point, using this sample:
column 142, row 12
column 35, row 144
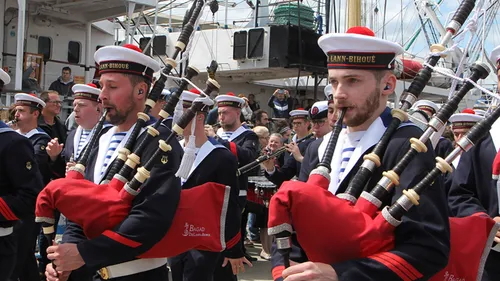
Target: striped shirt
column 81, row 144
column 116, row 139
column 226, row 135
column 351, row 142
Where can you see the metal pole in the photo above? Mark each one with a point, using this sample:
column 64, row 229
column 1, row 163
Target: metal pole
column 354, row 16
column 130, row 14
column 21, row 17
column 88, row 50
column 327, row 16
column 257, row 14
column 225, row 14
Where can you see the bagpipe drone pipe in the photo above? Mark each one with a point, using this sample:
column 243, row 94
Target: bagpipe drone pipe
column 143, row 117
column 98, row 208
column 365, row 229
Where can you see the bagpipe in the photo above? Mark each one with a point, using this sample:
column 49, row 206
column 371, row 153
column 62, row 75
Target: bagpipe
column 100, row 207
column 250, row 166
column 364, row 229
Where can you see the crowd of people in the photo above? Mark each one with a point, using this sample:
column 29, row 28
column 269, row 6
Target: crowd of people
column 225, row 135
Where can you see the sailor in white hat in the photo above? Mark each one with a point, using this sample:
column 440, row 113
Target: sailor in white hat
column 462, row 122
column 427, row 106
column 126, row 75
column 360, row 69
column 87, row 111
column 472, row 189
column 160, row 103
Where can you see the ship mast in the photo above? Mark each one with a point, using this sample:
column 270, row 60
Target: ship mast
column 354, row 13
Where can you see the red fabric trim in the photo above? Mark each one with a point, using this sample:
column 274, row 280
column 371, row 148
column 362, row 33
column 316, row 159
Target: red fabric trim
column 125, row 71
column 358, row 65
column 408, row 268
column 120, row 239
column 234, row 240
column 6, row 211
column 391, row 266
column 278, row 272
column 232, row 147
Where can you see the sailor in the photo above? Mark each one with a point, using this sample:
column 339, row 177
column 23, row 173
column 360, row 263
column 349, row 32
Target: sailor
column 20, row 183
column 461, row 123
column 240, row 140
column 126, row 76
column 301, row 121
column 360, row 72
column 199, row 166
column 87, row 110
column 472, row 189
column 442, row 146
column 155, row 111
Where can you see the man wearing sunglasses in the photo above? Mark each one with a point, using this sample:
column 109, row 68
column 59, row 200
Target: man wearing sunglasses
column 48, row 120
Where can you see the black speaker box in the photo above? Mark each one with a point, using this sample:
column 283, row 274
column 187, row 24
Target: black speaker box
column 284, row 49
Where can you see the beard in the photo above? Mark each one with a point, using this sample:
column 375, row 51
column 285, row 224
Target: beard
column 119, row 116
column 365, row 111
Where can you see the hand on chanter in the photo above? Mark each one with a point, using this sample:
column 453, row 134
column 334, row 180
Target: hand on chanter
column 310, row 271
column 237, row 265
column 52, row 275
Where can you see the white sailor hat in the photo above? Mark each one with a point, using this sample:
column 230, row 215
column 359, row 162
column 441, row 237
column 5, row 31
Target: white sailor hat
column 426, row 105
column 88, row 91
column 29, row 100
column 299, row 113
column 229, row 99
column 358, row 48
column 127, row 59
column 4, row 76
column 319, row 110
column 495, row 57
column 465, row 120
column 188, row 97
column 480, row 112
column 329, row 93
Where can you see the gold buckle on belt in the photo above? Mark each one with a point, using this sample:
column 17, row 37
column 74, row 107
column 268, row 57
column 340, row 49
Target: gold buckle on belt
column 104, row 273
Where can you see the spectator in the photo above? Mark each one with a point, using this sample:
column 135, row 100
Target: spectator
column 30, row 84
column 281, row 103
column 64, row 83
column 246, row 111
column 254, row 105
column 260, row 118
column 48, row 120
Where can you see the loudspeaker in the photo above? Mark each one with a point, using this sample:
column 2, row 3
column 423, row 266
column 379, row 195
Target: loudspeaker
column 284, row 49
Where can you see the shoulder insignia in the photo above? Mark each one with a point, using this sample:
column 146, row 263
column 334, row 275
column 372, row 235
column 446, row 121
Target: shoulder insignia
column 164, row 159
column 28, row 165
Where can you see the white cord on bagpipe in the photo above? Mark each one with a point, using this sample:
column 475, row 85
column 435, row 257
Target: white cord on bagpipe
column 481, row 88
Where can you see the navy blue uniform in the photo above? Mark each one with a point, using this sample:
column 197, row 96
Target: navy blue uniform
column 215, row 164
column 422, row 239
column 20, row 183
column 148, row 221
column 472, row 191
column 443, row 147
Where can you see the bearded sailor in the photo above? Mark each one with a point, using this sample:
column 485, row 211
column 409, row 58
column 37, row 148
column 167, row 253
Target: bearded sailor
column 126, row 76
column 360, row 69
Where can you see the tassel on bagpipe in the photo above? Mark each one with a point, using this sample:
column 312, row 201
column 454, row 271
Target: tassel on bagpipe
column 98, row 208
column 372, row 160
column 391, row 178
column 155, row 93
column 250, row 166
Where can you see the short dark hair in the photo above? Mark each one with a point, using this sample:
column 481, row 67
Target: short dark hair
column 257, row 115
column 67, row 69
column 45, row 95
column 136, row 79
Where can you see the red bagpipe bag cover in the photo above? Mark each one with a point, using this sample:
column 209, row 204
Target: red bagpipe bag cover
column 199, row 221
column 318, row 216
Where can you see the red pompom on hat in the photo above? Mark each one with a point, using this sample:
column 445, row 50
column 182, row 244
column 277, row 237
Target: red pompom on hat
column 92, row 85
column 469, row 111
column 361, row 30
column 132, row 47
column 195, row 91
column 231, row 94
